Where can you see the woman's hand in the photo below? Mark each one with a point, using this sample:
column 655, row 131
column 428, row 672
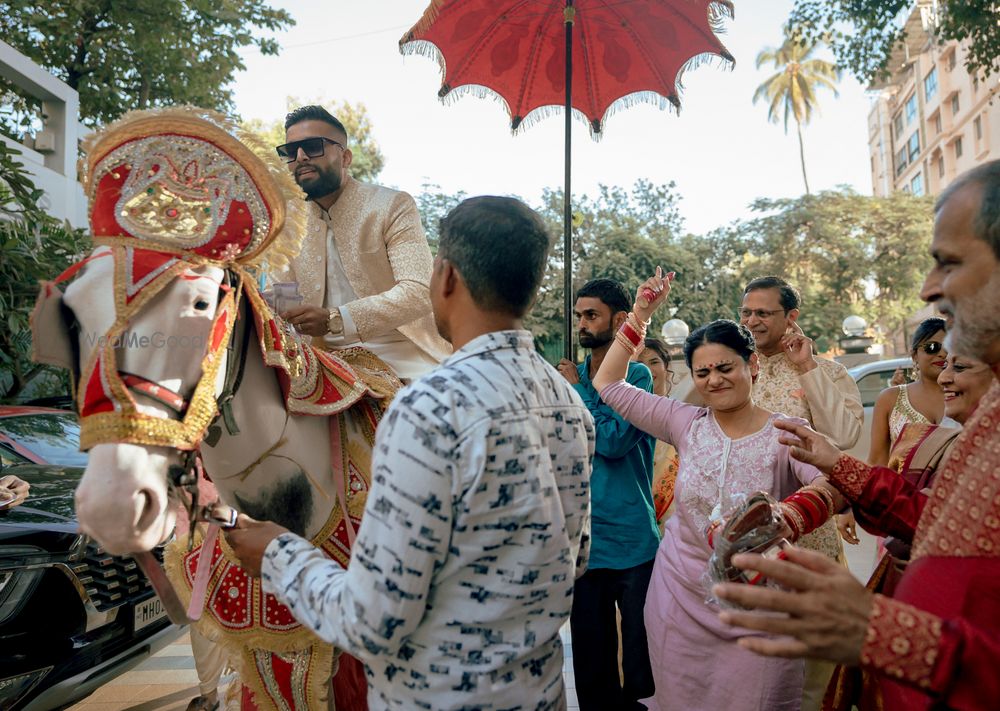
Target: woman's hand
column 848, row 528
column 651, row 294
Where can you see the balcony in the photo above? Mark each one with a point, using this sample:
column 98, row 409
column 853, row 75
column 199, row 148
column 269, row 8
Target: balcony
column 50, row 155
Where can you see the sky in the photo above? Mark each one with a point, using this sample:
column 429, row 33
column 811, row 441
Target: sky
column 721, row 151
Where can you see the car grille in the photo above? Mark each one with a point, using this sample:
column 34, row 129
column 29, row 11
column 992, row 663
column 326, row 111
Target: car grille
column 110, row 580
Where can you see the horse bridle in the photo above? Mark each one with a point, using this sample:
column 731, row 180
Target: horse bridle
column 184, row 478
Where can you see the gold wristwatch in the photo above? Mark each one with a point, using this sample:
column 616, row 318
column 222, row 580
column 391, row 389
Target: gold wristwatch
column 335, row 323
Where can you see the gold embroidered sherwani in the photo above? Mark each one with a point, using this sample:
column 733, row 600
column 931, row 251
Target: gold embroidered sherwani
column 829, row 399
column 386, row 259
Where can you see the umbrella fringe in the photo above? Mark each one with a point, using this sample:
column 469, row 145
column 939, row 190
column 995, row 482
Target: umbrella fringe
column 543, row 112
column 724, row 62
column 719, row 11
column 629, row 100
column 424, row 48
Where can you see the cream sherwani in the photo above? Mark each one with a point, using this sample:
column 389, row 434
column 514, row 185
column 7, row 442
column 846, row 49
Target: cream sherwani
column 369, row 258
column 829, row 399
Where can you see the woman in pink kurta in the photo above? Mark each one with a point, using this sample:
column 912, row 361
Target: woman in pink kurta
column 726, row 449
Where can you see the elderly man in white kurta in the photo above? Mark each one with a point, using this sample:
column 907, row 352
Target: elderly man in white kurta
column 364, row 266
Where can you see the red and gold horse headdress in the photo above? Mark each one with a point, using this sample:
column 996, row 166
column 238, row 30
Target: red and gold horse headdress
column 169, row 191
column 181, row 182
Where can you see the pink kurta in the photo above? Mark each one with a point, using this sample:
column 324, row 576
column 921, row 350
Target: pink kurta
column 696, row 662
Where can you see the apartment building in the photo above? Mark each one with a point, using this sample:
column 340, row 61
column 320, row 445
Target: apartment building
column 931, row 119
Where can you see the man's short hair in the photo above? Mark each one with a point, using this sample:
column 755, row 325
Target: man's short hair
column 787, row 294
column 987, row 222
column 500, row 247
column 313, row 113
column 612, row 294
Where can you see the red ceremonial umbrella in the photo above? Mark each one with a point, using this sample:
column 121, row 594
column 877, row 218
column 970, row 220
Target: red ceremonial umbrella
column 626, row 51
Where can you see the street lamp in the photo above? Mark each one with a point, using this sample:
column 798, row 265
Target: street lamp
column 855, row 340
column 854, row 326
column 675, row 332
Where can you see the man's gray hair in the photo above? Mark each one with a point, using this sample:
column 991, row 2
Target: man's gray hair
column 987, row 222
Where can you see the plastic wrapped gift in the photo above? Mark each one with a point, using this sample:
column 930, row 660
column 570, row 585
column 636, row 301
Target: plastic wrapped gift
column 756, row 525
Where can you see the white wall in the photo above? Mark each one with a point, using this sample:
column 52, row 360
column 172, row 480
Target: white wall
column 53, row 171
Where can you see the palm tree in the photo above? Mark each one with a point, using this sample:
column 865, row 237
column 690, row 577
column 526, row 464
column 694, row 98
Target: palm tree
column 793, row 87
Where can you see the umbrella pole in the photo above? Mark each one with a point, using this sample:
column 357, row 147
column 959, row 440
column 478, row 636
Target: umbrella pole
column 569, row 16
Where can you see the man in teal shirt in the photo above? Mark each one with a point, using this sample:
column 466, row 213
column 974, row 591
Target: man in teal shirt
column 624, row 535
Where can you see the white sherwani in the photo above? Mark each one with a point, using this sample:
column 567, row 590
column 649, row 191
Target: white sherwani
column 369, row 258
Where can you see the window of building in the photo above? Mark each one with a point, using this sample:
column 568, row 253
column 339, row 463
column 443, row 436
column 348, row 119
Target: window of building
column 901, row 162
column 941, row 167
column 917, row 184
column 911, row 109
column 897, row 126
column 958, row 147
column 913, row 146
column 930, row 85
column 977, row 126
column 975, row 83
column 952, row 61
column 954, row 105
column 937, row 123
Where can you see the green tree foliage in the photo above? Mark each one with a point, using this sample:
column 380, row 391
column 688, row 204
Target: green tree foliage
column 368, row 159
column 625, row 235
column 141, row 53
column 791, row 92
column 863, row 33
column 846, row 253
column 433, row 205
column 33, row 246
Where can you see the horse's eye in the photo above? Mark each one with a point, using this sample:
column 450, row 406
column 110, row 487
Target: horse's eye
column 201, row 304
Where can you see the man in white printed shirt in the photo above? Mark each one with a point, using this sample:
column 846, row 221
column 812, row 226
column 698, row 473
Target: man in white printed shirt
column 477, row 521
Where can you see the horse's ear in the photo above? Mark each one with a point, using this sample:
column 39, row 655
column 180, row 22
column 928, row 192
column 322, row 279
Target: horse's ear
column 50, row 340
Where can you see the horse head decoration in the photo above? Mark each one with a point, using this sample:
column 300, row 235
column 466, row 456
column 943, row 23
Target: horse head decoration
column 180, row 363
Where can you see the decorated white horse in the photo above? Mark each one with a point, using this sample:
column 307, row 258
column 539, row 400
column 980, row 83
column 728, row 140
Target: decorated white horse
column 181, row 366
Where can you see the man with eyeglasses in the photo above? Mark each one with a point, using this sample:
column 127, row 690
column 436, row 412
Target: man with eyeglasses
column 364, row 268
column 797, row 383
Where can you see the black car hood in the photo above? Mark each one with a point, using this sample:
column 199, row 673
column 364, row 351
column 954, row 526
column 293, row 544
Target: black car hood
column 50, row 500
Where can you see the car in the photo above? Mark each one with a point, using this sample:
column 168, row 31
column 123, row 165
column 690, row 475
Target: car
column 39, row 435
column 72, row 617
column 872, row 378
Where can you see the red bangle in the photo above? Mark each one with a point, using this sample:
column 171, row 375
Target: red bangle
column 630, row 334
column 810, row 507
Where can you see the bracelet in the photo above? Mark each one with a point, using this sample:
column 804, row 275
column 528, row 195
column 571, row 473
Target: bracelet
column 631, row 334
column 827, row 498
column 794, row 518
column 808, row 509
column 639, row 326
column 626, row 342
column 710, row 532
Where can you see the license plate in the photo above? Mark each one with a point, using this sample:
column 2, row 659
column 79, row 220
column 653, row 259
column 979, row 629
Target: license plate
column 149, row 611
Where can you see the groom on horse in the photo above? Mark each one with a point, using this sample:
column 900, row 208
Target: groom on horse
column 365, row 265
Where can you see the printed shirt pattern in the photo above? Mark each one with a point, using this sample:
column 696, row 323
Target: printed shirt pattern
column 476, row 527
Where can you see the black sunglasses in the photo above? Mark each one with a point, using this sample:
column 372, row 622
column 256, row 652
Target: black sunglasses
column 313, row 148
column 931, row 348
